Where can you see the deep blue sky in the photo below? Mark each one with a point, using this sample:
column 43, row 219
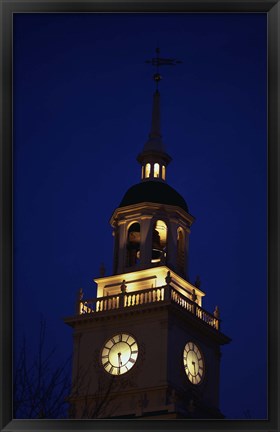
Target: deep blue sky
column 82, row 112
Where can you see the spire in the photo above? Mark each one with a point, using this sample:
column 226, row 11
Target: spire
column 155, row 129
column 154, row 142
column 154, row 158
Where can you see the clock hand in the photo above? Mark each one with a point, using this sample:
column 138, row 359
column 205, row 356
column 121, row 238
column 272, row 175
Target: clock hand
column 193, row 363
column 119, row 358
column 120, row 363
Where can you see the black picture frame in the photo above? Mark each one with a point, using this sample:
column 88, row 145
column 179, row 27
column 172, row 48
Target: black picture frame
column 7, row 8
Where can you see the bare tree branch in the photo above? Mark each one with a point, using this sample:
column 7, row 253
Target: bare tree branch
column 43, row 389
column 40, row 386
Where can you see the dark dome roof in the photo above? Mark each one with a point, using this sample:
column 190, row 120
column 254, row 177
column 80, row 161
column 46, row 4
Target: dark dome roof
column 153, row 191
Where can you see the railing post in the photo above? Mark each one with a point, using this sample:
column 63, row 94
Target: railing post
column 80, row 296
column 121, row 302
column 217, row 316
column 167, row 291
column 122, row 294
column 167, row 294
column 194, row 305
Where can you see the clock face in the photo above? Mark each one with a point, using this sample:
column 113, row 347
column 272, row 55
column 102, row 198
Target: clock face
column 193, row 363
column 119, row 354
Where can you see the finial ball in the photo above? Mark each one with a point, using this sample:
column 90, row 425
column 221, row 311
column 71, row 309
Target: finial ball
column 157, row 77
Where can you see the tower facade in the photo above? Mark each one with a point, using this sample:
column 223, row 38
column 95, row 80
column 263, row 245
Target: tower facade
column 144, row 347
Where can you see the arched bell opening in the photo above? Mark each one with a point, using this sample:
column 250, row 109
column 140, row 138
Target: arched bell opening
column 147, row 170
column 156, row 170
column 181, row 250
column 133, row 244
column 150, row 170
column 159, row 242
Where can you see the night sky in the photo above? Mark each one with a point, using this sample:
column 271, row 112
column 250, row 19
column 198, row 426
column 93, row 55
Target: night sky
column 82, row 113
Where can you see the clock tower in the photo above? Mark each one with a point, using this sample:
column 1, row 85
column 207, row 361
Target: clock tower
column 145, row 347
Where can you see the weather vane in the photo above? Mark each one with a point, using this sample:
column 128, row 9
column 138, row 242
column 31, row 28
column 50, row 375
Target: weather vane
column 158, row 62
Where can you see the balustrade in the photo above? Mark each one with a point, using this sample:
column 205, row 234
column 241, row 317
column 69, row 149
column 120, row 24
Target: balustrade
column 139, row 298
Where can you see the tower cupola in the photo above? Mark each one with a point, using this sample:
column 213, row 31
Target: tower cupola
column 152, row 223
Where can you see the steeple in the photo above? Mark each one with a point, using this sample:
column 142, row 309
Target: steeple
column 153, row 157
column 155, row 138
